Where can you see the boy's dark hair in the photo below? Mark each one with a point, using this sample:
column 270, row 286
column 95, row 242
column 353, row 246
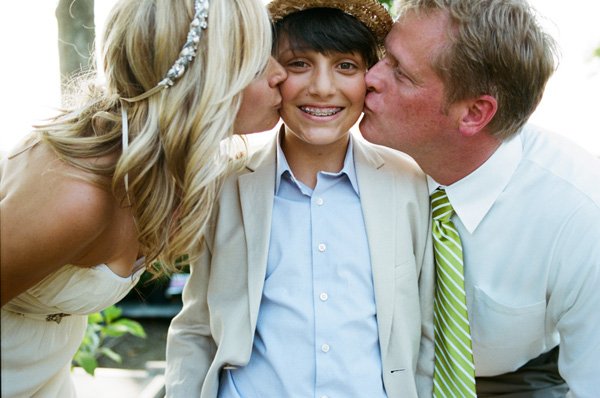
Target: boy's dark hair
column 327, row 30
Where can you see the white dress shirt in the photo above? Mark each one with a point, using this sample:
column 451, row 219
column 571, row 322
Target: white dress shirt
column 529, row 221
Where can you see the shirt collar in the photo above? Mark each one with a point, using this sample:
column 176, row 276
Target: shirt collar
column 348, row 169
column 474, row 195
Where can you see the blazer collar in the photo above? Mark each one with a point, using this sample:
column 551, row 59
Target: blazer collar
column 256, row 198
column 379, row 212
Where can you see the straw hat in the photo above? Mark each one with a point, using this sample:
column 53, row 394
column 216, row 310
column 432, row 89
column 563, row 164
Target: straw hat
column 369, row 12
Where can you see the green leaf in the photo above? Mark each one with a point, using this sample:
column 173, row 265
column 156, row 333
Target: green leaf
column 131, row 327
column 96, row 317
column 111, row 313
column 87, row 361
column 114, row 330
column 110, row 354
column 90, row 341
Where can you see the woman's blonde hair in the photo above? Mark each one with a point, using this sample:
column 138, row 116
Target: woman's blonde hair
column 173, row 165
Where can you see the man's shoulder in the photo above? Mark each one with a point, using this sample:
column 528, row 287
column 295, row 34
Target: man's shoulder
column 562, row 163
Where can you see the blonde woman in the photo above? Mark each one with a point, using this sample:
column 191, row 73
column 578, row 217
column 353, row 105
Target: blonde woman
column 128, row 176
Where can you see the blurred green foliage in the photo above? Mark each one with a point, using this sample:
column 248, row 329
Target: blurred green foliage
column 103, row 330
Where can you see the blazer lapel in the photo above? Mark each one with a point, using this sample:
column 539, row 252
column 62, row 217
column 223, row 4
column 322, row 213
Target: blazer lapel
column 377, row 201
column 256, row 197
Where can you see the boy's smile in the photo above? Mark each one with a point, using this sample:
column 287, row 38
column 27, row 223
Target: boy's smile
column 323, row 95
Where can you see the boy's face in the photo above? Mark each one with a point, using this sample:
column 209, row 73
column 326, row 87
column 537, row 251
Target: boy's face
column 323, row 95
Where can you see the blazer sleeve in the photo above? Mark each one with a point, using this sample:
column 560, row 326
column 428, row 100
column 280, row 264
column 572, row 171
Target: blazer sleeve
column 190, row 346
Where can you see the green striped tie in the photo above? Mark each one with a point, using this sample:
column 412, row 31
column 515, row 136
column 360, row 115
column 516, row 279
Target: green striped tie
column 454, row 374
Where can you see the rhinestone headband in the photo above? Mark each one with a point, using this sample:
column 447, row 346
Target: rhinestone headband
column 188, row 52
column 186, row 56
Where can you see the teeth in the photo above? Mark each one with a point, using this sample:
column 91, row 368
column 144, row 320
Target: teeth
column 320, row 111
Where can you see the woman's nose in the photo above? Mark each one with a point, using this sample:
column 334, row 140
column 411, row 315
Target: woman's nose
column 277, row 73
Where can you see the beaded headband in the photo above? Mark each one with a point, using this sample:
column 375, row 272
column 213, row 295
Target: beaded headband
column 188, row 52
column 186, row 56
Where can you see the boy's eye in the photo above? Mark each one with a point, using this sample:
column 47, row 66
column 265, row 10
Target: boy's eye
column 347, row 65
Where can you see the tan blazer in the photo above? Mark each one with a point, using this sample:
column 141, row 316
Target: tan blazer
column 215, row 328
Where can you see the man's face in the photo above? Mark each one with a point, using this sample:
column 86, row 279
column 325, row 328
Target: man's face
column 405, row 106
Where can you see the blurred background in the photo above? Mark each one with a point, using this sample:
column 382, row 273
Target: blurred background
column 31, row 75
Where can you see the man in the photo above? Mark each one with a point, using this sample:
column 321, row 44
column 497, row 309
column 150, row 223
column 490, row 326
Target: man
column 458, row 83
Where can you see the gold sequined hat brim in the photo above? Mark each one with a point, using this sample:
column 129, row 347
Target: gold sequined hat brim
column 369, row 12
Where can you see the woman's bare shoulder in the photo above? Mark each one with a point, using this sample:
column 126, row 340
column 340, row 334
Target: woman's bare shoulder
column 37, row 178
column 51, row 216
column 50, row 201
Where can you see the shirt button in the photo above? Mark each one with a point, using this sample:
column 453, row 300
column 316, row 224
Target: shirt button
column 325, row 348
column 319, row 201
column 323, row 296
column 324, row 396
column 322, row 247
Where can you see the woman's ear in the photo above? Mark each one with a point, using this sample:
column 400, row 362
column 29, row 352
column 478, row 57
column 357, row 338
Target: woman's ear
column 477, row 115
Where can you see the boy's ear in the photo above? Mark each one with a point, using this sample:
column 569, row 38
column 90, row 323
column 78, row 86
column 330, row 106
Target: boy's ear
column 477, row 114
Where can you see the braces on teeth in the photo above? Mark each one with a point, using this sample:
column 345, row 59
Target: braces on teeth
column 320, row 112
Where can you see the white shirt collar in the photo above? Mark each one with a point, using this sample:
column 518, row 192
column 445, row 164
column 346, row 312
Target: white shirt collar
column 474, row 195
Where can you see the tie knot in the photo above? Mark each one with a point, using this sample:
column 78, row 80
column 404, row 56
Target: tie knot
column 441, row 209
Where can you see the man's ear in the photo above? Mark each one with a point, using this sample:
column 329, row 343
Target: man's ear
column 477, row 115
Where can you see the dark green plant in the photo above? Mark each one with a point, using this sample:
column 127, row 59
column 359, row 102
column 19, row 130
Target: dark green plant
column 103, row 331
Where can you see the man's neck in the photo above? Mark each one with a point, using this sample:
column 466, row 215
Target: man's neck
column 456, row 163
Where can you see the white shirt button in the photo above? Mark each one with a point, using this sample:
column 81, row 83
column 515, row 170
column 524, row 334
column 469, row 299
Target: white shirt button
column 322, row 247
column 324, row 396
column 319, row 201
column 325, row 348
column 323, row 296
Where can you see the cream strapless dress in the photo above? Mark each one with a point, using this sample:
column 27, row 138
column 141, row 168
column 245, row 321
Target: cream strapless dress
column 42, row 328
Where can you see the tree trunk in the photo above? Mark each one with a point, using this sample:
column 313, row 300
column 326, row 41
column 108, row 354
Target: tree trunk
column 76, row 33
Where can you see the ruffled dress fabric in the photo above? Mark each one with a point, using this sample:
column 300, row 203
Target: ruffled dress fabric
column 39, row 340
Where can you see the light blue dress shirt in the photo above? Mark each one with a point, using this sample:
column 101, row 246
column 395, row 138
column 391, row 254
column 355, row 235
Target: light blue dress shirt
column 316, row 333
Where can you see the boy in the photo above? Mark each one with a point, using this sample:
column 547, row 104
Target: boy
column 309, row 282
